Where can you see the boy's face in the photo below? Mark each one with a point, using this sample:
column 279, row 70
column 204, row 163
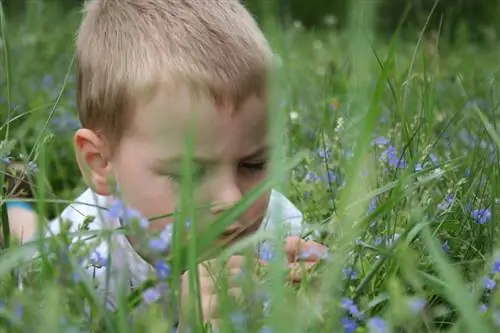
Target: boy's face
column 229, row 156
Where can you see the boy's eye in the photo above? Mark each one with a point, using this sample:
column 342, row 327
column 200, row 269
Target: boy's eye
column 254, row 166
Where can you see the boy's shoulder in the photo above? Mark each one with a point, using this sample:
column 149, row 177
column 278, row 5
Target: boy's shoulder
column 87, row 205
column 281, row 211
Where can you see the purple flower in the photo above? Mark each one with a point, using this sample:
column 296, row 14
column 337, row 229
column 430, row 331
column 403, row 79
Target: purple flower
column 162, row 269
column 446, row 247
column 330, row 176
column 350, row 273
column 495, row 267
column 380, row 141
column 489, row 283
column 418, row 167
column 19, row 311
column 239, row 319
column 97, row 259
column 416, row 304
column 266, row 251
column 373, row 204
column 312, row 177
column 151, row 295
column 481, row 216
column 348, row 325
column 352, row 309
column 483, row 308
column 157, row 244
column 323, row 153
column 118, row 210
column 447, row 202
column 389, row 156
column 377, row 325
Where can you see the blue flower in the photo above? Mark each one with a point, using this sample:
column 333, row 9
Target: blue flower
column 495, row 267
column 331, row 177
column 118, row 210
column 418, row 167
column 448, row 201
column 445, row 247
column 352, row 309
column 151, row 295
column 377, row 325
column 266, row 251
column 348, row 324
column 489, row 283
column 380, row 141
column 350, row 273
column 483, row 308
column 97, row 259
column 481, row 216
column 389, row 156
column 416, row 304
column 312, row 177
column 162, row 269
column 323, row 153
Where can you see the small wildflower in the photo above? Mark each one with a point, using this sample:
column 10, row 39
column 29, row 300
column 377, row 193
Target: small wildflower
column 350, row 273
column 19, row 311
column 151, row 295
column 312, row 177
column 416, row 304
column 323, row 153
column 496, row 318
column 495, row 267
column 481, row 216
column 157, row 244
column 483, row 308
column 349, row 325
column 119, row 211
column 418, row 167
column 377, row 325
column 445, row 247
column 447, row 202
column 98, row 260
column 162, row 269
column 389, row 156
column 266, row 251
column 380, row 141
column 331, row 177
column 373, row 204
column 239, row 319
column 489, row 284
column 352, row 309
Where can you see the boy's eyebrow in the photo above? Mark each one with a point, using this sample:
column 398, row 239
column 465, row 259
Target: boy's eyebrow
column 207, row 160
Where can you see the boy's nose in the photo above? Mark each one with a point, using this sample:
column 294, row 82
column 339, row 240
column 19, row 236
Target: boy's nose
column 225, row 199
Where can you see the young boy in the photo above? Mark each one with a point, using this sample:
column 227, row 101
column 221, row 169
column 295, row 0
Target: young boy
column 150, row 73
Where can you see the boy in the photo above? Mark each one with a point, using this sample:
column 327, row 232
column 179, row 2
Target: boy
column 151, row 72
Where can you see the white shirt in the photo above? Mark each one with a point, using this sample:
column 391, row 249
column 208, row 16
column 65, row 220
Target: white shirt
column 126, row 265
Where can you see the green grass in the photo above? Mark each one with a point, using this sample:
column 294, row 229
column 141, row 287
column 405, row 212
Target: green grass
column 355, row 106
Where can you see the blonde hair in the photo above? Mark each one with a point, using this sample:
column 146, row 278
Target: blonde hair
column 128, row 47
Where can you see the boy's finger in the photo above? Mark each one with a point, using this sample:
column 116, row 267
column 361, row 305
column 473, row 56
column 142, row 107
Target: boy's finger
column 300, row 249
column 298, row 269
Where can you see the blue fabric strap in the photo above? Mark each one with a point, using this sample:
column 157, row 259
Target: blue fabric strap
column 19, row 204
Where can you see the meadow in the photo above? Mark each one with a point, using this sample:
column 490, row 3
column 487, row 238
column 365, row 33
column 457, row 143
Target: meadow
column 392, row 156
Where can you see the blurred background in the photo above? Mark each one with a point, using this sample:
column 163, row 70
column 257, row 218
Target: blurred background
column 477, row 18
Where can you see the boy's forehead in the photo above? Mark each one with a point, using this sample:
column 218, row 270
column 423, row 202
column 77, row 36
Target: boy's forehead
column 167, row 118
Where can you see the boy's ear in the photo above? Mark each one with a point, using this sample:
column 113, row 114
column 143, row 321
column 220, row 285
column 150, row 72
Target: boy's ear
column 92, row 158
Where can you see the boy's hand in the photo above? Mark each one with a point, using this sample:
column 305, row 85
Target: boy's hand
column 208, row 283
column 302, row 256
